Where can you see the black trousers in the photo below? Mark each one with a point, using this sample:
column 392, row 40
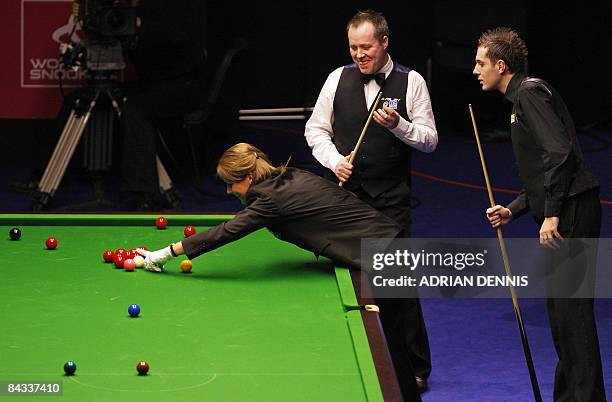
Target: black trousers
column 579, row 374
column 402, row 319
column 146, row 103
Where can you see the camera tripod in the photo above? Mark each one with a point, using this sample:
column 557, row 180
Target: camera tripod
column 98, row 155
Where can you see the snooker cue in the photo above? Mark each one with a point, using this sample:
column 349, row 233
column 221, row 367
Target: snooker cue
column 504, row 251
column 365, row 127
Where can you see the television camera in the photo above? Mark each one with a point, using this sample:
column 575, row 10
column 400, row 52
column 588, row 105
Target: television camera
column 108, row 26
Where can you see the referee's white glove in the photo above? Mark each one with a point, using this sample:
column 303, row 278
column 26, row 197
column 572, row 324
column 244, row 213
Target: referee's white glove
column 155, row 260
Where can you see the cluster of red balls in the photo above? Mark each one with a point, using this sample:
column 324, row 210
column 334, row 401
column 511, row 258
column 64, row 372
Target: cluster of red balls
column 130, row 259
column 126, row 259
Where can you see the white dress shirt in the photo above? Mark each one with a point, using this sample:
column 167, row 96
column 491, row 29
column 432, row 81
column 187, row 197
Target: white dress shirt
column 420, row 133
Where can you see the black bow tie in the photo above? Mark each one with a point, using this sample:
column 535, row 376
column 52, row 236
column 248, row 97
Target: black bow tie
column 379, row 78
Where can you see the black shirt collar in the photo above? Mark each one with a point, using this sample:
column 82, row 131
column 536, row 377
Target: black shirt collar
column 513, row 86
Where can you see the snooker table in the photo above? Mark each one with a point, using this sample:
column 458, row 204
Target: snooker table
column 256, row 320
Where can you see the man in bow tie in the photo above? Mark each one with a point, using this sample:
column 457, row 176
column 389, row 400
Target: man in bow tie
column 380, row 172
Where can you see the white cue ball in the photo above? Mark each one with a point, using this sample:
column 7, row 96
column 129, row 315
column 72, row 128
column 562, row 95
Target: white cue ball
column 139, row 261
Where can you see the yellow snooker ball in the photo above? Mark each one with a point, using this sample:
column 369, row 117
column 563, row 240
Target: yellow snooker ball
column 186, row 266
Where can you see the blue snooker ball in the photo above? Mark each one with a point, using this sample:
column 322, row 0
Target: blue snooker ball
column 69, row 367
column 134, row 310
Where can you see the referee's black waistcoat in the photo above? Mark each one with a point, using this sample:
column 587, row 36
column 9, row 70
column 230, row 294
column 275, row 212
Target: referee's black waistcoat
column 383, row 160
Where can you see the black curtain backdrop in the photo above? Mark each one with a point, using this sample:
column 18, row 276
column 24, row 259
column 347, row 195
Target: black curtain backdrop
column 570, row 46
column 295, row 45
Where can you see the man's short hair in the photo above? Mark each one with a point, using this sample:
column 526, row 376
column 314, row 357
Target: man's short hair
column 381, row 28
column 505, row 44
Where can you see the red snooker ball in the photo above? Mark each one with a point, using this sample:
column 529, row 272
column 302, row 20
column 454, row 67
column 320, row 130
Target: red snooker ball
column 130, row 254
column 161, row 222
column 142, row 247
column 108, row 255
column 129, row 265
column 118, row 260
column 120, row 251
column 51, row 243
column 142, row 368
column 189, row 230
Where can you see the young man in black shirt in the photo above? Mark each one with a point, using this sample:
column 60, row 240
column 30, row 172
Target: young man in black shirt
column 562, row 195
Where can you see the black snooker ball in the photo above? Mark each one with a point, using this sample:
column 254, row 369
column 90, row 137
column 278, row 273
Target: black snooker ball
column 69, row 367
column 15, row 234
